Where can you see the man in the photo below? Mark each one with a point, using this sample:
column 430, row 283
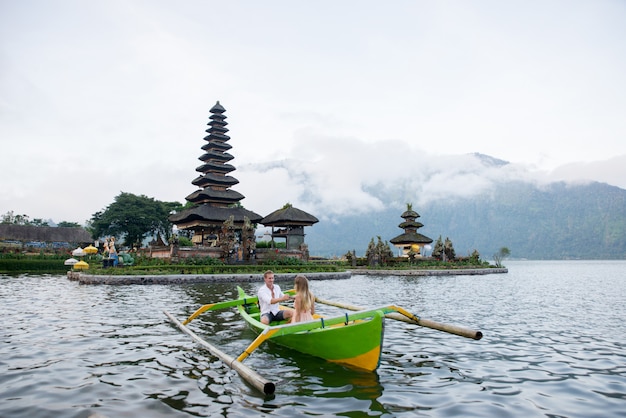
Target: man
column 269, row 297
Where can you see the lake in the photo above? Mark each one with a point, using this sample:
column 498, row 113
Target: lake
column 554, row 345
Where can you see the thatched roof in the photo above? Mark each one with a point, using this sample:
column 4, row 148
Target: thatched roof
column 44, row 234
column 409, row 238
column 411, row 224
column 206, row 214
column 289, row 216
column 410, row 214
column 208, row 194
column 210, row 178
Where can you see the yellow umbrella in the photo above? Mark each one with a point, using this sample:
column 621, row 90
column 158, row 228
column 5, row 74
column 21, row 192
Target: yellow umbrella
column 81, row 265
column 90, row 249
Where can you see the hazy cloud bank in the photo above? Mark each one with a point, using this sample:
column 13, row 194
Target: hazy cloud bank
column 335, row 176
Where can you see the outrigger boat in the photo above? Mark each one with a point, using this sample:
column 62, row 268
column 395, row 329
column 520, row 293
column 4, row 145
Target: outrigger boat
column 354, row 339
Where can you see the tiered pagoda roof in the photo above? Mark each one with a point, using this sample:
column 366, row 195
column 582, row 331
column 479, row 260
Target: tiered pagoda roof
column 410, row 226
column 214, row 198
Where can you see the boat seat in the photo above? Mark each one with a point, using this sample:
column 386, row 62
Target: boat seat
column 251, row 308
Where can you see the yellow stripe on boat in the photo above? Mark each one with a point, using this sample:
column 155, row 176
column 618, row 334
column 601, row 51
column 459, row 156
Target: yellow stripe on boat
column 368, row 361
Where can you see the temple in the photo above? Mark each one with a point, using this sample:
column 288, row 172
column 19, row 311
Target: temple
column 290, row 222
column 217, row 219
column 219, row 226
column 411, row 240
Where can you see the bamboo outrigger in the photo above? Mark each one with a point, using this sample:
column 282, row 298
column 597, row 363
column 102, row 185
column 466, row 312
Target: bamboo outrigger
column 354, row 339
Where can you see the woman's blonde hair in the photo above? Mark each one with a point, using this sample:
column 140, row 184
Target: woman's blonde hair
column 301, row 287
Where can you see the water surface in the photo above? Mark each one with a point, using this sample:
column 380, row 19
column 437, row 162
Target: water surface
column 554, row 345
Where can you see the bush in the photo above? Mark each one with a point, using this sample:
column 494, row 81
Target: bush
column 268, row 244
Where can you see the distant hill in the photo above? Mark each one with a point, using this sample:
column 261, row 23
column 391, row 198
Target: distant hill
column 557, row 221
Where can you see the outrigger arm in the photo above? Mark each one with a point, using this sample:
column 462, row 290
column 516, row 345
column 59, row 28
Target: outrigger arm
column 252, row 377
column 280, row 330
column 227, row 304
column 400, row 314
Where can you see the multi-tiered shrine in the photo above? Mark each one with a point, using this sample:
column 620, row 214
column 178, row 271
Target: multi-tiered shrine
column 217, row 219
column 411, row 242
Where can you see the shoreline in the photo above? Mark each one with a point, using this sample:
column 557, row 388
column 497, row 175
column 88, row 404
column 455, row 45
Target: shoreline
column 441, row 272
column 149, row 279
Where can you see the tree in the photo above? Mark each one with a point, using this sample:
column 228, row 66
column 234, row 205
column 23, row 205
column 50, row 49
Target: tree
column 448, row 249
column 370, row 253
column 10, row 218
column 501, row 255
column 133, row 218
column 438, row 249
column 379, row 252
column 65, row 224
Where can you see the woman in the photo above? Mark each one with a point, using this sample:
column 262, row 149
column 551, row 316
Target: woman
column 304, row 301
column 113, row 252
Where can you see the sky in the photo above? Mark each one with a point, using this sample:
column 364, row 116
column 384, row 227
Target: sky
column 325, row 101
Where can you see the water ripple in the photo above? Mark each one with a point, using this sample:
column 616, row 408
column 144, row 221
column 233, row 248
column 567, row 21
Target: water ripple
column 553, row 346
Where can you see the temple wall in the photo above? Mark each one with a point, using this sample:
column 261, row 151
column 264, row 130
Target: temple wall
column 269, row 253
column 215, row 252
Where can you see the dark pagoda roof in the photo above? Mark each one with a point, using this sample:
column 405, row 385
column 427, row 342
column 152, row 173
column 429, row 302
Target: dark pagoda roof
column 409, row 214
column 217, row 129
column 208, row 195
column 215, row 144
column 218, row 108
column 215, row 167
column 214, row 179
column 410, row 238
column 214, row 155
column 289, row 216
column 205, row 214
column 410, row 225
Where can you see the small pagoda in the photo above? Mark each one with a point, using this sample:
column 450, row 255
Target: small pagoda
column 288, row 223
column 217, row 219
column 411, row 240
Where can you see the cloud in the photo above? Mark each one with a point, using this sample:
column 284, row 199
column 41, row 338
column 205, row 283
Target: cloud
column 382, row 107
column 330, row 176
column 611, row 171
column 322, row 174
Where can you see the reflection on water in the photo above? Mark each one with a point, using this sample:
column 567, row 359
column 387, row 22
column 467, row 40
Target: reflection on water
column 553, row 346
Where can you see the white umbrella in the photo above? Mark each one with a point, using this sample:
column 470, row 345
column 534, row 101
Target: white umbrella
column 70, row 261
column 79, row 252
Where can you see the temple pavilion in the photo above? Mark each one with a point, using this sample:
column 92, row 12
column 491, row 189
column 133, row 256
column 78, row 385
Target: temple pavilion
column 288, row 223
column 217, row 219
column 411, row 240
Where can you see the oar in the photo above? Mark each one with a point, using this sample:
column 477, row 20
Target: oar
column 226, row 304
column 249, row 375
column 405, row 316
column 280, row 330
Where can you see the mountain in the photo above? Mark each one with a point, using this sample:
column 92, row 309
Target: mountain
column 554, row 221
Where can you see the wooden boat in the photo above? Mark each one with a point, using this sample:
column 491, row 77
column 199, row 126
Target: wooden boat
column 354, row 339
column 354, row 342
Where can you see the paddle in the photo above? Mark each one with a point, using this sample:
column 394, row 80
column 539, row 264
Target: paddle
column 249, row 375
column 226, row 304
column 406, row 316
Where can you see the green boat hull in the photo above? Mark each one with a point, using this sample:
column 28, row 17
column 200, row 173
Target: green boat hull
column 355, row 343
